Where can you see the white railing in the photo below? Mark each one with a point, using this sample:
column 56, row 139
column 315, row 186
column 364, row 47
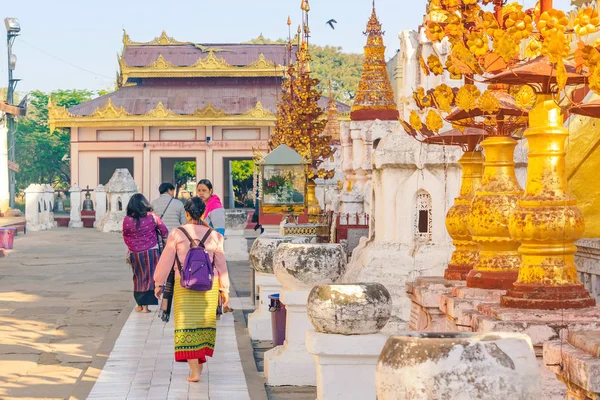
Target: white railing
column 587, row 259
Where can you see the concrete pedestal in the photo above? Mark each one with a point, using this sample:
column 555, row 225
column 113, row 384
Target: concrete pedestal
column 236, row 245
column 576, row 362
column 291, row 364
column 259, row 322
column 460, row 305
column 425, row 294
column 541, row 325
column 345, row 364
column 75, row 219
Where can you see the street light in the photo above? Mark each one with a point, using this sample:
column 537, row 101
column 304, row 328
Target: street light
column 12, row 25
column 12, row 31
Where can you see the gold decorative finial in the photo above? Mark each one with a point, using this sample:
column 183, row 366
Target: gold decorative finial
column 289, row 21
column 375, row 97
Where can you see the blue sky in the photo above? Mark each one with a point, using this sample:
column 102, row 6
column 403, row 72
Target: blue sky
column 67, row 44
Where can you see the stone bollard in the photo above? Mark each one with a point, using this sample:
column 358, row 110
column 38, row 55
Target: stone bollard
column 236, row 245
column 34, row 207
column 261, row 259
column 100, row 201
column 454, row 366
column 299, row 267
column 75, row 221
column 346, row 342
column 49, row 198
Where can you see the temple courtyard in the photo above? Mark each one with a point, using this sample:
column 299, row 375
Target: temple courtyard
column 68, row 329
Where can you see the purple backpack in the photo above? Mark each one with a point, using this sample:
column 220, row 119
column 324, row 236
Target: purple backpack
column 197, row 270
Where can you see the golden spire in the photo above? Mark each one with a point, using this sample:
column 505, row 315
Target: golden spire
column 332, row 129
column 374, row 97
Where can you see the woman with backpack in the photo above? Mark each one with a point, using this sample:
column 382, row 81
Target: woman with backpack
column 195, row 252
column 142, row 232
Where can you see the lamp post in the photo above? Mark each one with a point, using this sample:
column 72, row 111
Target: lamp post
column 12, row 31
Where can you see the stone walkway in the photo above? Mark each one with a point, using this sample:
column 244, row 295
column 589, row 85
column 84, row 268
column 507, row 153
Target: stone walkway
column 61, row 295
column 141, row 365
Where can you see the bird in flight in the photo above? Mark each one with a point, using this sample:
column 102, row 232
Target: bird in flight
column 331, row 22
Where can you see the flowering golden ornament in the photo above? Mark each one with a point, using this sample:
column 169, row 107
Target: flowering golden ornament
column 586, row 21
column 453, row 70
column 525, row 98
column 488, row 103
column 444, row 97
column 469, row 2
column 553, row 22
column 463, row 58
column 423, row 66
column 415, row 121
column 490, row 23
column 454, row 26
column 534, row 48
column 594, row 80
column 518, row 25
column 433, row 121
column 561, row 74
column 505, row 46
column 466, row 97
column 435, row 65
column 477, row 43
column 421, row 99
column 556, row 46
column 435, row 32
column 450, row 3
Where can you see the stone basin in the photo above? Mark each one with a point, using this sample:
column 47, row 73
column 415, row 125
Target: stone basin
column 349, row 308
column 456, row 366
column 302, row 266
column 263, row 250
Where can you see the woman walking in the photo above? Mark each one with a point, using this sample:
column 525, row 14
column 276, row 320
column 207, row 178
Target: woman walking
column 215, row 213
column 195, row 318
column 141, row 231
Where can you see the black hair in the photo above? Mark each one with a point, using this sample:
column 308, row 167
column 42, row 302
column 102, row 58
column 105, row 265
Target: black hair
column 165, row 187
column 138, row 207
column 206, row 183
column 195, row 207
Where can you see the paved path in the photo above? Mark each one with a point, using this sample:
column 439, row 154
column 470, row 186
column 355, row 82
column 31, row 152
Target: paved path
column 61, row 294
column 141, row 365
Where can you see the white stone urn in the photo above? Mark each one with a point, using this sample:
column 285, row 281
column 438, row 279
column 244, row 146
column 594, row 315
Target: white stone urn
column 261, row 259
column 263, row 250
column 299, row 267
column 349, row 308
column 302, row 266
column 457, row 366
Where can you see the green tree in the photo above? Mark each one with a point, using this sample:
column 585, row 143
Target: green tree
column 331, row 63
column 242, row 173
column 43, row 156
column 184, row 171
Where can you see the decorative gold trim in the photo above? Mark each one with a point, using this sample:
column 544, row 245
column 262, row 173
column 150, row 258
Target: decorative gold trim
column 211, row 62
column 209, row 112
column 209, row 66
column 258, row 112
column 109, row 111
column 111, row 116
column 261, row 63
column 162, row 40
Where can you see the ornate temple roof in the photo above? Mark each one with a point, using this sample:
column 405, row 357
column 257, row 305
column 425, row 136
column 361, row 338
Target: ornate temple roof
column 374, row 97
column 165, row 57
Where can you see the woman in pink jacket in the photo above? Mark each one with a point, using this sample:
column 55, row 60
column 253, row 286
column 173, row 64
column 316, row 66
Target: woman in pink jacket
column 195, row 311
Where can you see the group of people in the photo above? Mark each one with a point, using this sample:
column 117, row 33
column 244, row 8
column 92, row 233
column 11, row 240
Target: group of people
column 156, row 265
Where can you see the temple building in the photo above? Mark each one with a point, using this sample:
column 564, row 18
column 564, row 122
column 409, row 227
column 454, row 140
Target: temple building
column 211, row 104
